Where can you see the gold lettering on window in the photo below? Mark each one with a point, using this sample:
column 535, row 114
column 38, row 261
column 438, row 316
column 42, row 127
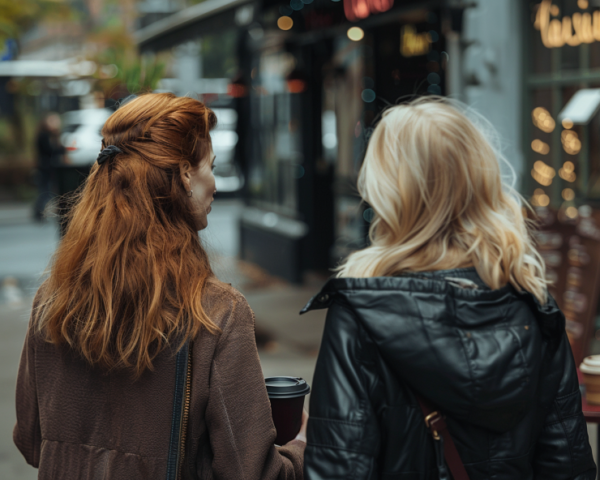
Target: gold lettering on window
column 572, row 31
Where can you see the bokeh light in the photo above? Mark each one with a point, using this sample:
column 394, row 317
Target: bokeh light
column 571, row 212
column 543, row 120
column 567, row 123
column 356, row 34
column 567, row 172
column 542, row 173
column 568, row 194
column 285, row 23
column 539, row 198
column 434, row 78
column 540, row 147
column 570, row 141
column 368, row 95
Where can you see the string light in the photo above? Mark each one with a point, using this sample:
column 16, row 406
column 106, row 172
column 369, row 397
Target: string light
column 539, row 198
column 571, row 212
column 567, row 172
column 543, row 200
column 542, row 173
column 543, row 120
column 570, row 141
column 567, row 123
column 540, row 147
column 568, row 194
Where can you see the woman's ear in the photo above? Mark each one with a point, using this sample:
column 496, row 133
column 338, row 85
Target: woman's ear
column 186, row 175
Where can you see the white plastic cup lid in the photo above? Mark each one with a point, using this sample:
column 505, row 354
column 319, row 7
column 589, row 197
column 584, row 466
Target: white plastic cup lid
column 591, row 365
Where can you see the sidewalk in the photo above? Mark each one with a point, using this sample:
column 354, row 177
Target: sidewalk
column 288, row 343
column 14, row 213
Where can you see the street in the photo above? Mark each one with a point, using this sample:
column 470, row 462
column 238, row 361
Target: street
column 288, row 343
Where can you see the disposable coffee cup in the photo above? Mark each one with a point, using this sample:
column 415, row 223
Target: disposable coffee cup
column 591, row 377
column 287, row 401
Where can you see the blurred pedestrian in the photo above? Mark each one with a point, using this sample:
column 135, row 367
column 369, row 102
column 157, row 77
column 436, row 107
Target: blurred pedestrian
column 50, row 153
column 445, row 317
column 139, row 363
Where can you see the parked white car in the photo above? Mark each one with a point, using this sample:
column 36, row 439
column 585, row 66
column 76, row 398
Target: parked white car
column 81, row 134
column 82, row 139
column 228, row 176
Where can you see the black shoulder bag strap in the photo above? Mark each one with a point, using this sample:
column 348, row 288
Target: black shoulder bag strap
column 181, row 408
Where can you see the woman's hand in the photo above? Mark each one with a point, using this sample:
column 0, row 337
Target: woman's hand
column 302, row 433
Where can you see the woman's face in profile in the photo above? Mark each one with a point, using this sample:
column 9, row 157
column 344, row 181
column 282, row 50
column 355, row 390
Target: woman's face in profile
column 201, row 182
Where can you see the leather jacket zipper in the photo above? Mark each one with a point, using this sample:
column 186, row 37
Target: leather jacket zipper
column 186, row 413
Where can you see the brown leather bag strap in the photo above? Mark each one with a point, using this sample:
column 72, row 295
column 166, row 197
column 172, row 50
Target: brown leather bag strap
column 439, row 430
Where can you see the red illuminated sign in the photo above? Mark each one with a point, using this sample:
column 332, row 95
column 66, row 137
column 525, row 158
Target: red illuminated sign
column 358, row 9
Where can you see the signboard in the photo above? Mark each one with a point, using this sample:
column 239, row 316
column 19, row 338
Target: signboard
column 582, row 107
column 572, row 30
column 571, row 250
column 9, row 51
column 358, row 9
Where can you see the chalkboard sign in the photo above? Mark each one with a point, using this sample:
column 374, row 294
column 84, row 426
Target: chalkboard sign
column 571, row 249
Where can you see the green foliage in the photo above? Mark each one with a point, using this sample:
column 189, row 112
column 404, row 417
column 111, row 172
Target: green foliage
column 136, row 73
column 18, row 15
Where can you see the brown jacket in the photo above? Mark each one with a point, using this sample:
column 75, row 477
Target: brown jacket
column 77, row 423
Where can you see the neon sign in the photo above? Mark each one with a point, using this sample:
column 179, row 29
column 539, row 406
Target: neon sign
column 413, row 43
column 358, row 9
column 572, row 30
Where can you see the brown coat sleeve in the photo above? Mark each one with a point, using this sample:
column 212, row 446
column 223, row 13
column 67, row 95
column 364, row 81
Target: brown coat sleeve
column 27, row 433
column 238, row 414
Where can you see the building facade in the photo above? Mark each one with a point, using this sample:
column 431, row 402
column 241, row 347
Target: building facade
column 311, row 79
column 561, row 98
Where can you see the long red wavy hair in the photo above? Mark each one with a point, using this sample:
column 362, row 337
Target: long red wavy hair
column 127, row 278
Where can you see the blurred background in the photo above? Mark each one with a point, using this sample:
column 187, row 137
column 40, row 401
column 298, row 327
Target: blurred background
column 296, row 86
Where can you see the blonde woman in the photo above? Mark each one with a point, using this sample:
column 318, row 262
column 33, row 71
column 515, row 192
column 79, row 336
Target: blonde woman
column 447, row 310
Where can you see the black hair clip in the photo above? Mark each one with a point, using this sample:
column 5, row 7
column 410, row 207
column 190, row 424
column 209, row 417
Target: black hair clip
column 109, row 152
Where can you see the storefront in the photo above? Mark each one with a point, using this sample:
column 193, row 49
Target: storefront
column 312, row 77
column 319, row 77
column 562, row 97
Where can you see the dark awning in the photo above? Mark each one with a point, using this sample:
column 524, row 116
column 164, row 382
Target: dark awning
column 213, row 16
column 206, row 17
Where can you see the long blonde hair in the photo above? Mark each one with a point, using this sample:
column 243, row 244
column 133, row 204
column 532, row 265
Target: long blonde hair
column 434, row 182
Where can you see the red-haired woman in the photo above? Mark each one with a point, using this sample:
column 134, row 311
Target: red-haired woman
column 105, row 388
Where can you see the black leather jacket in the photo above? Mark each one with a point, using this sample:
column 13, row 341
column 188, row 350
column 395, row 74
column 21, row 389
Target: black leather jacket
column 496, row 363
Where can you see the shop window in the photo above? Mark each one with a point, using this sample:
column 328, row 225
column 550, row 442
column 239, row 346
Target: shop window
column 219, row 54
column 277, row 160
column 564, row 158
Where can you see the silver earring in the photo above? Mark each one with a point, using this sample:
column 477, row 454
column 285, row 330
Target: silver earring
column 189, row 193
